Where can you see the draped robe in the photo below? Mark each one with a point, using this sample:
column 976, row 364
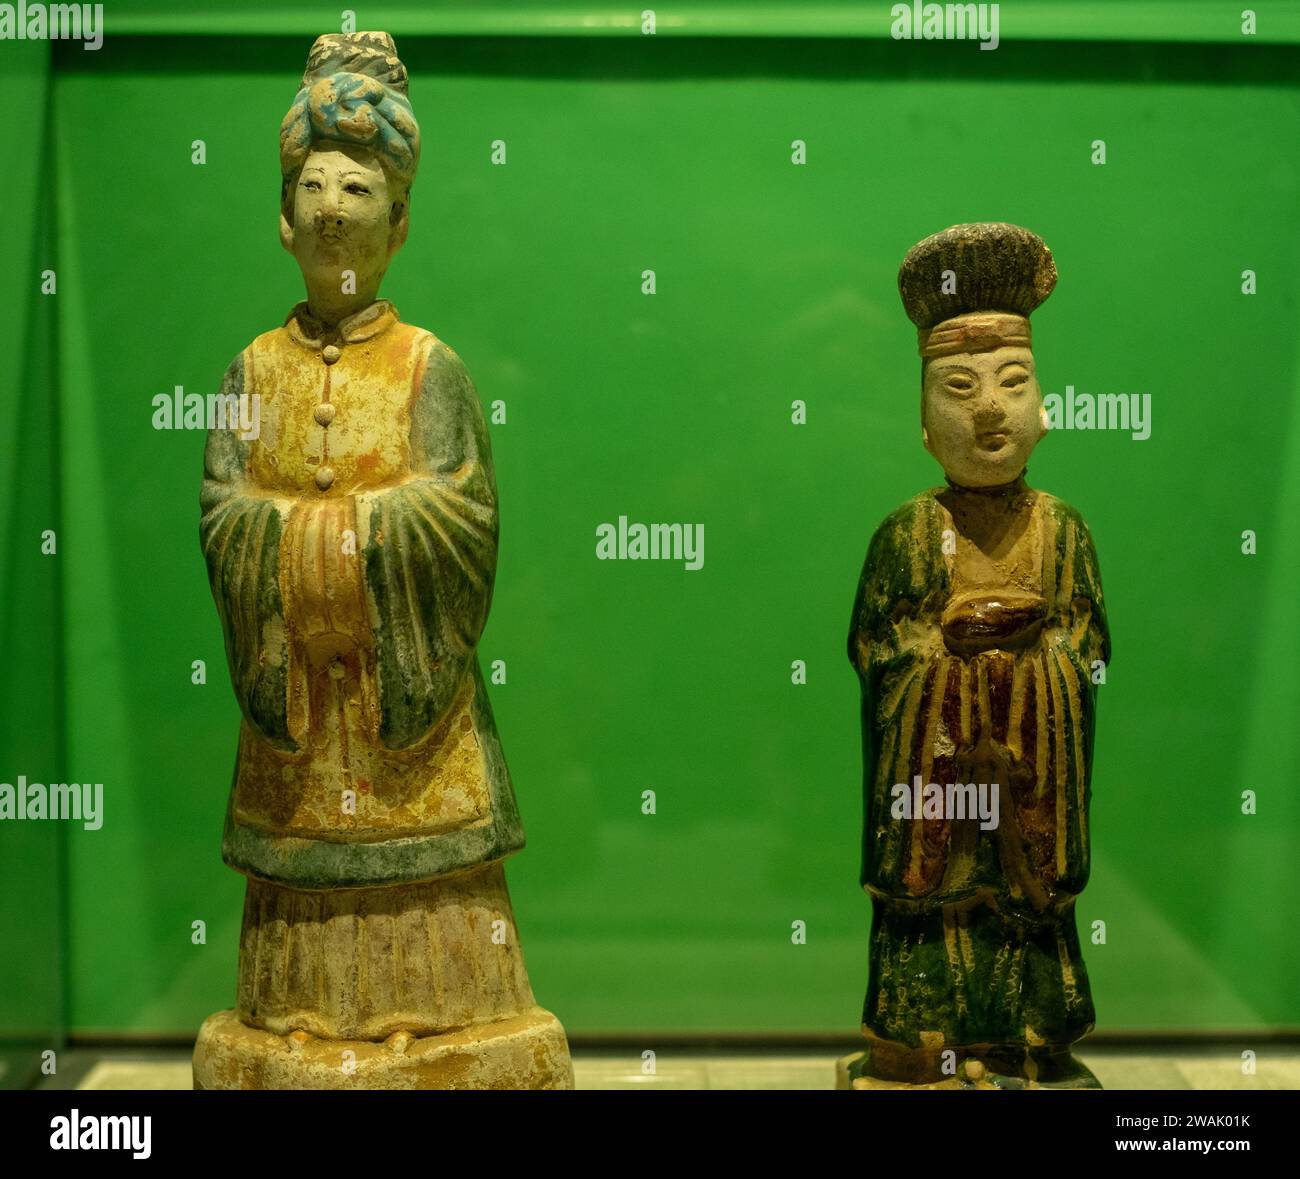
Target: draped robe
column 351, row 553
column 973, row 936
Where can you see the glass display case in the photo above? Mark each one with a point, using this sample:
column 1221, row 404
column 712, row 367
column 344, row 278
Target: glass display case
column 666, row 247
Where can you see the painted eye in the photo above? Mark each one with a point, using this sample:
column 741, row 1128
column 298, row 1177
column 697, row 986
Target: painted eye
column 1015, row 380
column 358, row 189
column 311, row 185
column 960, row 385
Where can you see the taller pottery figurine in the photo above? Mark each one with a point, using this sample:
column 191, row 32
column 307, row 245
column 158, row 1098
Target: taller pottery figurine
column 351, row 547
column 978, row 634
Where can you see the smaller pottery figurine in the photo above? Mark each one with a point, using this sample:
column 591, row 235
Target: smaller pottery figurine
column 978, row 634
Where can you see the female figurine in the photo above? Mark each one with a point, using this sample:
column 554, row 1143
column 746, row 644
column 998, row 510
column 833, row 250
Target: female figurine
column 351, row 548
column 979, row 634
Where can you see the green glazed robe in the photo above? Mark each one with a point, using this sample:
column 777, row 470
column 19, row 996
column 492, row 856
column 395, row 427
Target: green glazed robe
column 973, row 932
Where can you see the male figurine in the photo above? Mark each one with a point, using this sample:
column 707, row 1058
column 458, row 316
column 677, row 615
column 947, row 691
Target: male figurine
column 351, row 548
column 978, row 634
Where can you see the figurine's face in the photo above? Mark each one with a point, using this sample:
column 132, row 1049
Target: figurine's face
column 344, row 216
column 982, row 414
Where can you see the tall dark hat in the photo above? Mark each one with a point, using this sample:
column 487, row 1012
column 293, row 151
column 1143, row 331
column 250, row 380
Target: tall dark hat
column 1003, row 272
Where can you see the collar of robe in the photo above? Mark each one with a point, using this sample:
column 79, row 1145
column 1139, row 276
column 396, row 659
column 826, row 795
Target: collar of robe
column 310, row 332
column 1001, row 491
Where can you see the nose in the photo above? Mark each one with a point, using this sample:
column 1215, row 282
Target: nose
column 991, row 411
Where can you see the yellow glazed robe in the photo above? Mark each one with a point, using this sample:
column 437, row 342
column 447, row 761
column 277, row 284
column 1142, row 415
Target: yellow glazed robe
column 351, row 548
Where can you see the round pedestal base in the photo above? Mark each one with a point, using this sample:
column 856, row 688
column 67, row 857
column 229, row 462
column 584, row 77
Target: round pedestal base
column 1058, row 1070
column 524, row 1051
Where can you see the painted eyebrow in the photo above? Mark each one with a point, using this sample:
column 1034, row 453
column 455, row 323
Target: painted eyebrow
column 321, row 171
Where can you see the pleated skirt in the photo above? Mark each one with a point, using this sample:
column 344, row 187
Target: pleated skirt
column 361, row 964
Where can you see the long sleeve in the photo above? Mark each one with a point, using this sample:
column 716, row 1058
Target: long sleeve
column 240, row 531
column 1076, row 638
column 429, row 555
column 896, row 645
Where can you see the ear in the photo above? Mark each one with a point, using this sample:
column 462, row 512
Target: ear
column 286, row 232
column 1043, row 422
column 398, row 222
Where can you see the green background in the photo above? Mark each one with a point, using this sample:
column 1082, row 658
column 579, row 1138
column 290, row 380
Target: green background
column 775, row 282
